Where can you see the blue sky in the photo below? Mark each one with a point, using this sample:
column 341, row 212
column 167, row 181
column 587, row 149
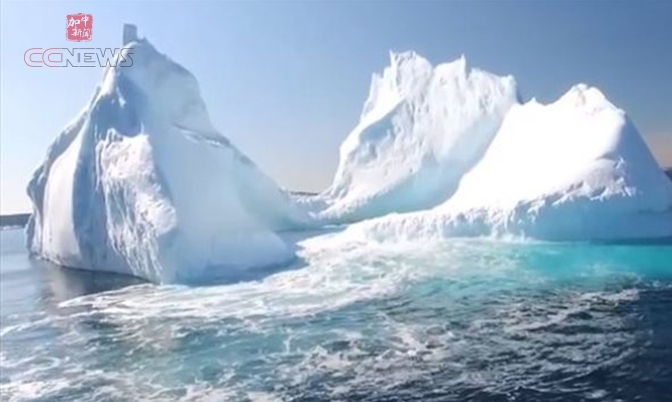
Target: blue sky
column 285, row 81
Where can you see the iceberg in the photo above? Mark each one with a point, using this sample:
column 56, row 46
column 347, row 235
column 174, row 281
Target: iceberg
column 451, row 151
column 573, row 170
column 422, row 128
column 142, row 184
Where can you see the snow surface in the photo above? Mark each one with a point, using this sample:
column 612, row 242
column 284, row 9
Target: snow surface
column 142, row 184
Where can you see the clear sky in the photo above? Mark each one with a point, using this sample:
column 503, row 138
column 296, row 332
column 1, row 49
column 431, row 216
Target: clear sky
column 285, row 81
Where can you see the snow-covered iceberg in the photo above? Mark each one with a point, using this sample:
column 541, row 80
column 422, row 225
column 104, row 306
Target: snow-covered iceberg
column 142, row 184
column 576, row 169
column 422, row 128
column 453, row 152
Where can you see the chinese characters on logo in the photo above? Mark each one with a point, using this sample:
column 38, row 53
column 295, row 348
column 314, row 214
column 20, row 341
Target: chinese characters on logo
column 79, row 27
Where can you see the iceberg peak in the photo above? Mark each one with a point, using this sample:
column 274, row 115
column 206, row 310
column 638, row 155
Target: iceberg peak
column 588, row 98
column 406, row 58
column 130, row 34
column 408, row 72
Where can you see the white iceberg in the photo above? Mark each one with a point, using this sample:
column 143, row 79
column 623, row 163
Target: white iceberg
column 576, row 169
column 421, row 129
column 456, row 153
column 142, row 184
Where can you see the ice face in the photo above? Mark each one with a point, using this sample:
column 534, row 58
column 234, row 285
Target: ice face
column 143, row 184
column 422, row 128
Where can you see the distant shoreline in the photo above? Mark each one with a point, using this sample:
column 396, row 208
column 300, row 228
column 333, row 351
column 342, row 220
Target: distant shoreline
column 14, row 220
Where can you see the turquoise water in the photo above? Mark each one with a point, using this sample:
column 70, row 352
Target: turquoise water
column 450, row 321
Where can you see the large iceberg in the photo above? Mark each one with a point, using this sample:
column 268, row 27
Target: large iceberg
column 576, row 169
column 142, row 184
column 422, row 128
column 457, row 146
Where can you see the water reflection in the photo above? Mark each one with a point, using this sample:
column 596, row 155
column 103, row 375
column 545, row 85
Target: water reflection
column 28, row 285
column 66, row 283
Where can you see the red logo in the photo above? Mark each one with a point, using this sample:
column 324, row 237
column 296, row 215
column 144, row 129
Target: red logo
column 79, row 27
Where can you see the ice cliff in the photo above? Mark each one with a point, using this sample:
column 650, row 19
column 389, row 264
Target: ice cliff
column 141, row 183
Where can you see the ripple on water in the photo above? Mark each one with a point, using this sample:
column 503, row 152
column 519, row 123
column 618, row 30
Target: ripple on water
column 456, row 321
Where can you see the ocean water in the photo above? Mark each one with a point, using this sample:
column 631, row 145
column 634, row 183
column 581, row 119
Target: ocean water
column 450, row 321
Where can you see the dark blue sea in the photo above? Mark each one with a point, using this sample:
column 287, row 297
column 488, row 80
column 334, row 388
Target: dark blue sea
column 450, row 321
